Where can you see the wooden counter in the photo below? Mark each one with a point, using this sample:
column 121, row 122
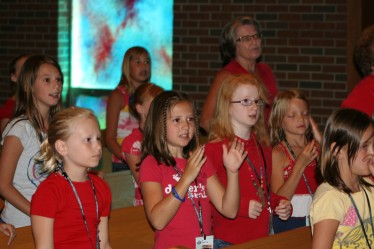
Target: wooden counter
column 129, row 228
column 294, row 239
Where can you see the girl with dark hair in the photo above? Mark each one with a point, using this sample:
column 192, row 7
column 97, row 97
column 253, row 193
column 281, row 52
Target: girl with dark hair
column 342, row 210
column 177, row 182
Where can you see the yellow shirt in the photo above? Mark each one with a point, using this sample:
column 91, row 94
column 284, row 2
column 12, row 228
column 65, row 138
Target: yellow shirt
column 330, row 203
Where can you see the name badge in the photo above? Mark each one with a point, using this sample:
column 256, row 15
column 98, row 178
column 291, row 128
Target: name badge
column 204, row 243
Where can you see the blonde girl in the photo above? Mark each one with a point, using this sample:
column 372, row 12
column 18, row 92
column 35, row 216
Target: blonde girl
column 135, row 70
column 38, row 99
column 76, row 212
column 177, row 182
column 342, row 210
column 295, row 139
column 131, row 145
column 239, row 116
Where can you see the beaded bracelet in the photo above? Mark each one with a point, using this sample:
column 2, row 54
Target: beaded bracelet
column 176, row 195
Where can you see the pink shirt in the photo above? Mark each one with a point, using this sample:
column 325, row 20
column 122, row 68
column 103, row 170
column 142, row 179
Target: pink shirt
column 184, row 227
column 132, row 144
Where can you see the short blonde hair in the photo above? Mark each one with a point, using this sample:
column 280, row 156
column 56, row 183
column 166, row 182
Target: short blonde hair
column 61, row 127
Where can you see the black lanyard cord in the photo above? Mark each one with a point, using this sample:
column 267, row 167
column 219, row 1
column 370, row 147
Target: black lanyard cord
column 360, row 219
column 294, row 157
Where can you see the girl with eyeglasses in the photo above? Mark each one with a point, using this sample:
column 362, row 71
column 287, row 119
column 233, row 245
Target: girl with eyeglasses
column 295, row 139
column 239, row 116
column 241, row 48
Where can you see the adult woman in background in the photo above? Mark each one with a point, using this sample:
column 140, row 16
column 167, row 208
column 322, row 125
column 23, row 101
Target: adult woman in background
column 241, row 48
column 362, row 95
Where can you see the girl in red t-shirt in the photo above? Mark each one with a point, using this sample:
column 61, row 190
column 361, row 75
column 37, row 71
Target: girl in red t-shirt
column 131, row 145
column 76, row 212
column 177, row 181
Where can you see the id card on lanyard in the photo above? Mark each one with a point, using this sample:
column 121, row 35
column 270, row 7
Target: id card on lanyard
column 203, row 241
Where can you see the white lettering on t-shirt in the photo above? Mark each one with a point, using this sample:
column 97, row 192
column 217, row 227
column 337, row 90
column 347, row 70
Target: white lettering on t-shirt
column 196, row 191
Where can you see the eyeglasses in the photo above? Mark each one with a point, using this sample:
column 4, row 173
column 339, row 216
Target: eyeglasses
column 248, row 102
column 246, row 38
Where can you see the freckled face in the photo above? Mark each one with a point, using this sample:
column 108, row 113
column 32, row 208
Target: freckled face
column 241, row 116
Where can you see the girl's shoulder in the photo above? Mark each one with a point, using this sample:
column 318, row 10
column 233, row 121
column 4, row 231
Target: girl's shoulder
column 19, row 126
column 122, row 89
column 328, row 192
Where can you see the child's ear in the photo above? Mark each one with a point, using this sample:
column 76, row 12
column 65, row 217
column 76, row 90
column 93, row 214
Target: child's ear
column 338, row 153
column 139, row 108
column 61, row 147
column 13, row 77
column 334, row 151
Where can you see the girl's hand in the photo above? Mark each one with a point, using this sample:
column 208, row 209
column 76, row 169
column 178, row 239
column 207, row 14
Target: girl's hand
column 309, row 153
column 315, row 130
column 194, row 164
column 233, row 158
column 8, row 230
column 283, row 210
column 255, row 209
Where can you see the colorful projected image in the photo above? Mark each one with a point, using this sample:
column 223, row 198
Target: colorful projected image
column 101, row 33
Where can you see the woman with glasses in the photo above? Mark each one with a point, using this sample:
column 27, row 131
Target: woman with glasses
column 239, row 116
column 241, row 48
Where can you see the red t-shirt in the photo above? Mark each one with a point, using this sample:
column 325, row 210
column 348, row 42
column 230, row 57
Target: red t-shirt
column 132, row 144
column 184, row 227
column 267, row 76
column 362, row 96
column 242, row 228
column 309, row 172
column 55, row 199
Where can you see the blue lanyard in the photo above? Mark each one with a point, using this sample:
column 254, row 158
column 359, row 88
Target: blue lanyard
column 63, row 172
column 198, row 211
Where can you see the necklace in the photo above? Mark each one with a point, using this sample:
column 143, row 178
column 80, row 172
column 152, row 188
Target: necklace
column 65, row 175
column 259, row 175
column 294, row 157
column 260, row 189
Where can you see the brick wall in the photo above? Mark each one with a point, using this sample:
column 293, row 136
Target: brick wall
column 305, row 42
column 25, row 27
